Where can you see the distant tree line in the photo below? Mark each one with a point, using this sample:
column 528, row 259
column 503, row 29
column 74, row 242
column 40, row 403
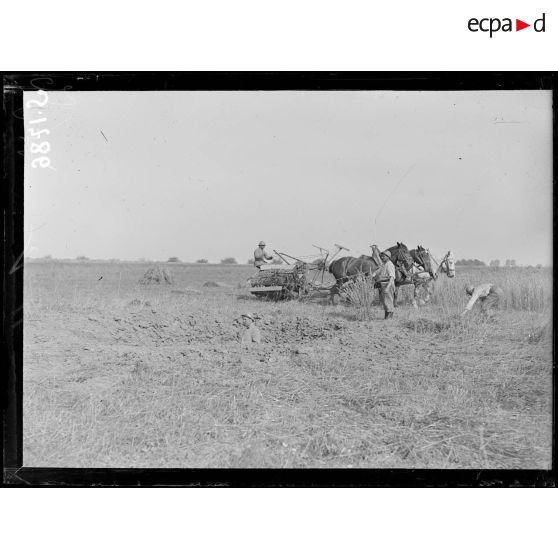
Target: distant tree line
column 175, row 259
column 230, row 261
column 493, row 263
column 496, row 263
column 470, row 262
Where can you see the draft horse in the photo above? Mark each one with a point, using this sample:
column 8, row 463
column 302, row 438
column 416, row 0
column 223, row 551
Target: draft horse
column 349, row 268
column 424, row 272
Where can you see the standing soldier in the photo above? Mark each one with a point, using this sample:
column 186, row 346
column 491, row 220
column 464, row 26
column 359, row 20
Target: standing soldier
column 261, row 256
column 489, row 295
column 385, row 276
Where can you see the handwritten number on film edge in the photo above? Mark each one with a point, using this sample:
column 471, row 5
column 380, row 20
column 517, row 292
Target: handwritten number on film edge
column 43, row 147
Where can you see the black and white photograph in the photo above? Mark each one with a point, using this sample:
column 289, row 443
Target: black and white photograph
column 299, row 278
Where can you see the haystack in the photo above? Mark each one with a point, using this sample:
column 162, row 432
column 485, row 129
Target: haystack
column 156, row 275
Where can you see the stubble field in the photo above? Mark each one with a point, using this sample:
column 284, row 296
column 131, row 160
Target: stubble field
column 117, row 374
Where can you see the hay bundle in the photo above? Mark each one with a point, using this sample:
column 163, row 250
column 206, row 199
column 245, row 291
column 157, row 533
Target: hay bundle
column 156, row 275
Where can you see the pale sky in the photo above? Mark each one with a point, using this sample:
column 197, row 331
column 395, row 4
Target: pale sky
column 210, row 174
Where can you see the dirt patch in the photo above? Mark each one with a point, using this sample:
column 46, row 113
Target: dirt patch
column 425, row 325
column 145, row 325
column 140, row 327
column 288, row 330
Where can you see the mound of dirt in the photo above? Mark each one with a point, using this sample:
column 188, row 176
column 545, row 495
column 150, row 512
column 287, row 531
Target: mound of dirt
column 156, row 275
column 215, row 284
column 144, row 327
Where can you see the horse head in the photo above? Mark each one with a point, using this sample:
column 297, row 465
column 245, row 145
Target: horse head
column 423, row 258
column 402, row 256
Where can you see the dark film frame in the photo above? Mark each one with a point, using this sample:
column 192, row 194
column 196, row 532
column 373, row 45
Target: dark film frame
column 12, row 275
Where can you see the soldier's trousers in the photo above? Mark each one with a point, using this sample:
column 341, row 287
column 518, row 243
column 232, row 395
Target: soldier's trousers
column 491, row 303
column 387, row 291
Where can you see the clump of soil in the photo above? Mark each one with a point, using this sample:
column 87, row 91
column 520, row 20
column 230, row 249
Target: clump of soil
column 156, row 275
column 138, row 302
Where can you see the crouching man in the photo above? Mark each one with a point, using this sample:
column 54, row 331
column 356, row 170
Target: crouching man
column 385, row 279
column 489, row 295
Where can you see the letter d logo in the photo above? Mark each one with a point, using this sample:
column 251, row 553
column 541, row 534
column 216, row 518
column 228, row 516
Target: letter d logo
column 539, row 24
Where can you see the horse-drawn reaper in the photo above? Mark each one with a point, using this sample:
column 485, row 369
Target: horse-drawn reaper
column 293, row 278
column 296, row 278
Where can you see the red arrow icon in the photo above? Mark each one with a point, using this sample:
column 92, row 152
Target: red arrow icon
column 519, row 25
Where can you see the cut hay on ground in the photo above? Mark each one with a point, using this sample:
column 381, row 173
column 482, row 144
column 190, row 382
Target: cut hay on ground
column 156, row 275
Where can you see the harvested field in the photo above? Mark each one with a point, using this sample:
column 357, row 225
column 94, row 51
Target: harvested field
column 119, row 374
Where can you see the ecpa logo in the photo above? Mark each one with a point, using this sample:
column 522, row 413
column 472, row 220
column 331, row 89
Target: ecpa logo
column 494, row 24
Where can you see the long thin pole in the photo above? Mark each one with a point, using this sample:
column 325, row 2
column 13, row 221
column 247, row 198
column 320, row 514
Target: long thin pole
column 281, row 257
column 388, row 197
column 292, row 257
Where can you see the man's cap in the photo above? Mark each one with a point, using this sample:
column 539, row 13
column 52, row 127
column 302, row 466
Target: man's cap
column 469, row 289
column 387, row 253
column 262, row 243
column 249, row 316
